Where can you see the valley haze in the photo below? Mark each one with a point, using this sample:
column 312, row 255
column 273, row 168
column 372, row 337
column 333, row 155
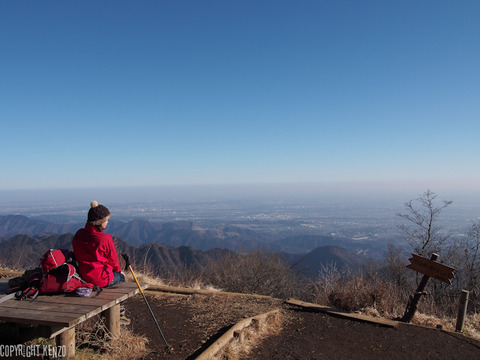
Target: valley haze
column 364, row 215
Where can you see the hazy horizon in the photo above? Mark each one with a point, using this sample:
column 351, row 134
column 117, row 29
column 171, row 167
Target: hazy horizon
column 207, row 200
column 298, row 190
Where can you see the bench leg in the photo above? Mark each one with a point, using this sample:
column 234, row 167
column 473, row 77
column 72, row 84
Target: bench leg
column 67, row 339
column 112, row 318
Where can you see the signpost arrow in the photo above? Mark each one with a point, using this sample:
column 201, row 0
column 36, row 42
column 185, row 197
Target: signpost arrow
column 431, row 268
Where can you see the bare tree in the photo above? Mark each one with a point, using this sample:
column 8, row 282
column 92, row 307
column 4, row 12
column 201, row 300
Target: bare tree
column 394, row 266
column 422, row 231
column 470, row 246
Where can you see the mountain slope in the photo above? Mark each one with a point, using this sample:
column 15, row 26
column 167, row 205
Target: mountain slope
column 24, row 252
column 305, row 243
column 139, row 232
column 315, row 261
column 187, row 233
column 11, row 225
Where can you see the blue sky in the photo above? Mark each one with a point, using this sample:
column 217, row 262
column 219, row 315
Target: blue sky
column 143, row 93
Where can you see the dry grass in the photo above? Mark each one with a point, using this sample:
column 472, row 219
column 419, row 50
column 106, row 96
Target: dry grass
column 13, row 265
column 144, row 278
column 245, row 340
column 471, row 326
column 195, row 283
column 257, row 272
column 94, row 342
column 369, row 294
column 7, row 273
column 364, row 292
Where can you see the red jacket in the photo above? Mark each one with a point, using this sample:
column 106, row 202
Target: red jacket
column 96, row 255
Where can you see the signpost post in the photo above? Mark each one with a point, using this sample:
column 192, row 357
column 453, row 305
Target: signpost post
column 430, row 268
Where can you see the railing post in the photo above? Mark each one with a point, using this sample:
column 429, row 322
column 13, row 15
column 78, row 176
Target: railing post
column 462, row 311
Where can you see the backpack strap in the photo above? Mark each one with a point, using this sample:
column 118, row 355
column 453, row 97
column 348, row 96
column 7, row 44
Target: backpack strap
column 32, row 290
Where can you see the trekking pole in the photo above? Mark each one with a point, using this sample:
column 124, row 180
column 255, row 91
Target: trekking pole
column 169, row 347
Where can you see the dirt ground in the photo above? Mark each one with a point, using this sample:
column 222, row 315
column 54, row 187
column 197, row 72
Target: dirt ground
column 190, row 323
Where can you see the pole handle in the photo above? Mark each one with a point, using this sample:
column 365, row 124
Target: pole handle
column 138, row 284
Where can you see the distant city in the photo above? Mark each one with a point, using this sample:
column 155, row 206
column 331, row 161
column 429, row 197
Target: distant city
column 359, row 216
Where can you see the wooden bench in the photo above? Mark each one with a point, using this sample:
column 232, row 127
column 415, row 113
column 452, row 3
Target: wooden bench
column 57, row 315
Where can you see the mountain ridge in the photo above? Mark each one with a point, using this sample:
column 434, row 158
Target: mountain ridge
column 174, row 246
column 24, row 252
column 187, row 233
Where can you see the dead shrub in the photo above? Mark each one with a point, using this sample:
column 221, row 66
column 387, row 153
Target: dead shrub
column 355, row 291
column 258, row 272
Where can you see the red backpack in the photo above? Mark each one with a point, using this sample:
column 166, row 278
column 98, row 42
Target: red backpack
column 59, row 273
column 53, row 258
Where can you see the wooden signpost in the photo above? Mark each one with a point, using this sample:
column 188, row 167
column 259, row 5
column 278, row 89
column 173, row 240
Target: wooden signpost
column 430, row 268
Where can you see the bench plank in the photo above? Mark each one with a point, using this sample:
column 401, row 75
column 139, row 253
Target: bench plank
column 90, row 301
column 65, row 310
column 62, row 304
column 49, row 318
column 124, row 286
column 41, row 306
